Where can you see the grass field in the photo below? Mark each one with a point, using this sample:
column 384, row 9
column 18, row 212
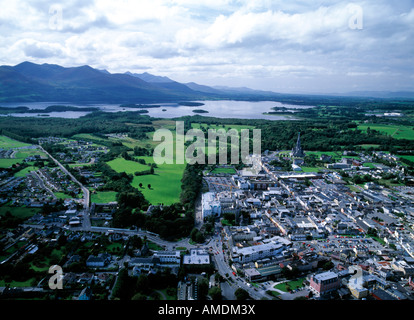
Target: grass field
column 103, row 197
column 312, row 169
column 411, row 158
column 7, row 143
column 20, row 155
column 290, row 285
column 7, row 163
column 127, row 166
column 19, row 212
column 165, row 184
column 223, row 170
column 396, row 131
column 25, row 171
column 166, row 180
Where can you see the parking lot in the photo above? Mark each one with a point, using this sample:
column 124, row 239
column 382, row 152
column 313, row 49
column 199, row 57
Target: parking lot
column 219, row 184
column 337, row 243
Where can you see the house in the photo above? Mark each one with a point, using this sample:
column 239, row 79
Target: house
column 99, row 261
column 144, row 264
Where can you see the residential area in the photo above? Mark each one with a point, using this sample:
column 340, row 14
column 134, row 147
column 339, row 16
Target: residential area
column 270, row 234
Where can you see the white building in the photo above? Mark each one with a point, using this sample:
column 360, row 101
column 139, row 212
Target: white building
column 197, row 256
column 254, row 253
column 210, row 205
column 168, row 257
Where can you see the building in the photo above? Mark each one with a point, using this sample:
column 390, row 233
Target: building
column 99, row 261
column 297, row 151
column 324, row 283
column 168, row 257
column 252, row 274
column 257, row 252
column 140, row 265
column 210, row 205
column 197, row 256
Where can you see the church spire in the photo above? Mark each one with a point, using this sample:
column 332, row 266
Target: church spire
column 297, row 151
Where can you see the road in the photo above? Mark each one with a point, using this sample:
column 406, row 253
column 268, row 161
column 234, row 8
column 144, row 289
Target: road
column 221, row 262
column 86, row 193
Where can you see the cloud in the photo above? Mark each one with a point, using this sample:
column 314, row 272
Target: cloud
column 297, row 43
column 41, row 50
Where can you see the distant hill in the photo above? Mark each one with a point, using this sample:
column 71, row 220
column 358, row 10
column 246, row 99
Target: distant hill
column 30, row 82
column 201, row 88
column 150, row 77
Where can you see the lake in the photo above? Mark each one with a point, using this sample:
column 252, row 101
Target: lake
column 219, row 109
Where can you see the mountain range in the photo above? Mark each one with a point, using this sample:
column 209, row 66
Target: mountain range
column 30, row 82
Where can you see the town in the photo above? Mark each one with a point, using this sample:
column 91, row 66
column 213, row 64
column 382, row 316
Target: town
column 270, row 232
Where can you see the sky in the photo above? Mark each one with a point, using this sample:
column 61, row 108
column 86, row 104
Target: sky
column 291, row 46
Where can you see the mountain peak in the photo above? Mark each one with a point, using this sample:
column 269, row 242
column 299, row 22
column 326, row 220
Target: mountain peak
column 148, row 77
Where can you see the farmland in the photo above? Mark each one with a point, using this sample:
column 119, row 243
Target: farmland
column 395, row 131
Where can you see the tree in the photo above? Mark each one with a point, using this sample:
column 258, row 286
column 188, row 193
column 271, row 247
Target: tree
column 215, row 293
column 142, row 284
column 241, row 294
column 202, row 289
column 149, row 186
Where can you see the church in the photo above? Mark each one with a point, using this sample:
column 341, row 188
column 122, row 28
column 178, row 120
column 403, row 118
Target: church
column 297, row 151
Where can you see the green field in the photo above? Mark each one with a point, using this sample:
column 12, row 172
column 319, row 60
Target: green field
column 395, row 131
column 311, row 169
column 19, row 212
column 411, row 158
column 7, row 163
column 127, row 166
column 20, row 155
column 7, row 143
column 166, row 180
column 88, row 136
column 25, row 171
column 165, row 184
column 290, row 285
column 103, row 197
column 223, row 170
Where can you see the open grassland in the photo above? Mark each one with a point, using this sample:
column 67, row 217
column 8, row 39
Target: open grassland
column 165, row 184
column 19, row 154
column 127, row 166
column 395, row 131
column 19, row 212
column 166, row 180
column 410, row 158
column 7, row 143
column 24, row 172
column 103, row 196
